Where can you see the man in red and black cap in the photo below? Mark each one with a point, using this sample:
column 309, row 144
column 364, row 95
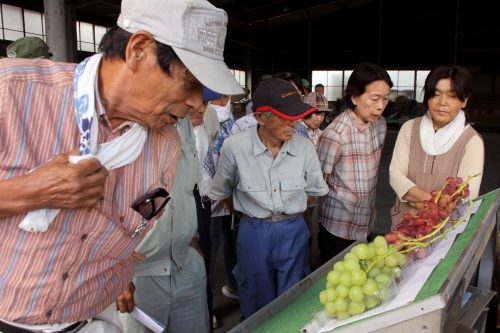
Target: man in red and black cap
column 268, row 175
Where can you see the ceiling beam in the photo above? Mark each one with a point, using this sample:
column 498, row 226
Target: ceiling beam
column 303, row 14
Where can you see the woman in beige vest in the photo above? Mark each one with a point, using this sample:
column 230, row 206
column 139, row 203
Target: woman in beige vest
column 439, row 144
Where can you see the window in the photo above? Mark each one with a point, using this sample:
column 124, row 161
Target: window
column 17, row 22
column 240, row 76
column 88, row 36
column 334, row 82
column 419, row 91
column 404, row 84
column 409, row 83
column 34, row 24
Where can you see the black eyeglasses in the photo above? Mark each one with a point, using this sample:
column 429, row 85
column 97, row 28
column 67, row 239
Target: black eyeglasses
column 148, row 206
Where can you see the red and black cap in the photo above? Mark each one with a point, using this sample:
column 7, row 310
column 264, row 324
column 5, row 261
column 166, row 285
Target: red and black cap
column 281, row 98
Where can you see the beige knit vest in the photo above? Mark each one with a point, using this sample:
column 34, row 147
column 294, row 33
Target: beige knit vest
column 429, row 172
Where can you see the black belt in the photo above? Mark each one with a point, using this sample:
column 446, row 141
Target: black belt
column 273, row 218
column 7, row 328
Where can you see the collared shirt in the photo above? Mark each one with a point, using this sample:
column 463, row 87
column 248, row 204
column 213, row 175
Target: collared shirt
column 168, row 241
column 312, row 134
column 85, row 259
column 349, row 152
column 262, row 186
column 318, row 101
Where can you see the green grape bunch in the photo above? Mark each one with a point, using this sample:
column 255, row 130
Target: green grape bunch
column 362, row 280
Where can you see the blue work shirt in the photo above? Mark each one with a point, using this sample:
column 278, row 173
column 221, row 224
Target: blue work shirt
column 262, row 186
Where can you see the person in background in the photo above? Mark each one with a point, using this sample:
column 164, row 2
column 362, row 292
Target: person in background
column 268, row 175
column 437, row 145
column 170, row 283
column 211, row 228
column 203, row 125
column 319, row 96
column 319, row 89
column 28, row 47
column 222, row 220
column 249, row 121
column 349, row 151
column 314, row 120
column 67, row 275
column 307, row 86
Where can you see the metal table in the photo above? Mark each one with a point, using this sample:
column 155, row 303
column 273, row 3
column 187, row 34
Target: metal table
column 470, row 261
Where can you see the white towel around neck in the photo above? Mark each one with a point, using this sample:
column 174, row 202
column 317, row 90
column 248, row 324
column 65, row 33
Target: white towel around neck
column 440, row 141
column 118, row 152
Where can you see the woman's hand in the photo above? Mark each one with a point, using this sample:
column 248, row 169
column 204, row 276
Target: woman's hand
column 416, row 194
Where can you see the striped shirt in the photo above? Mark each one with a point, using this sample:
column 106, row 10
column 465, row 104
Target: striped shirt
column 85, row 259
column 349, row 152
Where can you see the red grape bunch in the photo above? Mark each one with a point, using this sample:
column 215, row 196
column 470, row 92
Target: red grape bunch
column 431, row 214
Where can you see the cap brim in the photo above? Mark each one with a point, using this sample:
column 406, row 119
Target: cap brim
column 212, row 73
column 239, row 97
column 210, row 95
column 291, row 112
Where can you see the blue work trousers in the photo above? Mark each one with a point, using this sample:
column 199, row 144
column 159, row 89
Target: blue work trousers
column 271, row 258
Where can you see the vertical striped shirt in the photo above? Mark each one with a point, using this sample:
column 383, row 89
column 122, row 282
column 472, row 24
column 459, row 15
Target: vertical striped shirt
column 349, row 152
column 85, row 259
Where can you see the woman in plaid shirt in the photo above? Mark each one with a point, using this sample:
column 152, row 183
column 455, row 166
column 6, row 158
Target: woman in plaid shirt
column 349, row 151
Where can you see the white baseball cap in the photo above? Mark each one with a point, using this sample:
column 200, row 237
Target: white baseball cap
column 195, row 29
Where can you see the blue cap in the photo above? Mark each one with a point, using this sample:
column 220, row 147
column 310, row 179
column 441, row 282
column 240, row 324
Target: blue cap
column 210, row 95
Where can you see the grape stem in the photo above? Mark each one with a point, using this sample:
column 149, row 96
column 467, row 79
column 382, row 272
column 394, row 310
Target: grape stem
column 438, row 195
column 417, row 243
column 431, row 237
column 462, row 186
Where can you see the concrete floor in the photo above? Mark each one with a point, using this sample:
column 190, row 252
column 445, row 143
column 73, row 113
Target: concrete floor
column 227, row 310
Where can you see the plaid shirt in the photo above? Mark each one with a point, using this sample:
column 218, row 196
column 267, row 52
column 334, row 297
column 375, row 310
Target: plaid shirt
column 318, row 101
column 349, row 152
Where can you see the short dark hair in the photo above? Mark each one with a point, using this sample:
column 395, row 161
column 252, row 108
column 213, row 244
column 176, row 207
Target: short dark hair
column 460, row 80
column 319, row 85
column 114, row 43
column 364, row 74
column 291, row 77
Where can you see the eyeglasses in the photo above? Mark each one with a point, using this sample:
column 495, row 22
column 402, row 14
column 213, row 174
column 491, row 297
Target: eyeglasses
column 148, row 206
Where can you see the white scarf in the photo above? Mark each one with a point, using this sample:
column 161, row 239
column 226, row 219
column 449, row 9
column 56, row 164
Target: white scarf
column 118, row 152
column 440, row 141
column 223, row 112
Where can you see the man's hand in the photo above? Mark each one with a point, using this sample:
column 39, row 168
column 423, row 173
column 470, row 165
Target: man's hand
column 68, row 185
column 229, row 204
column 57, row 184
column 125, row 302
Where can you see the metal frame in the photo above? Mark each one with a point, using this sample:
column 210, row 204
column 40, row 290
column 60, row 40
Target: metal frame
column 438, row 313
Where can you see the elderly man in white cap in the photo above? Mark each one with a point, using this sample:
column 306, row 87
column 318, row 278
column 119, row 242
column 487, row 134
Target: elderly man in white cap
column 70, row 224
